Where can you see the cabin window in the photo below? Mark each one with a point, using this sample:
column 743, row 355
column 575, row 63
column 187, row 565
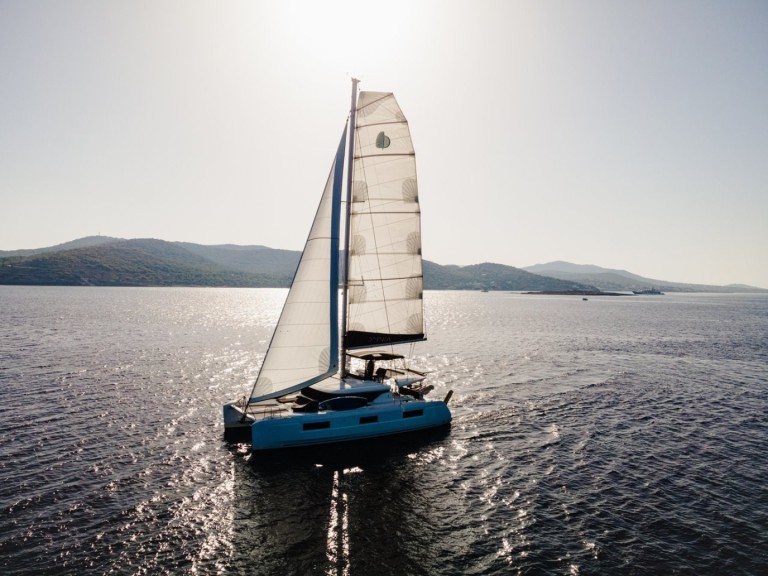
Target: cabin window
column 413, row 413
column 316, row 425
column 369, row 419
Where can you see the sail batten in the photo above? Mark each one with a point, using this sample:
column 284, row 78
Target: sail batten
column 383, row 155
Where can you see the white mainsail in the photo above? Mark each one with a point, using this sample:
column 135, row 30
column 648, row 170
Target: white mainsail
column 385, row 269
column 304, row 347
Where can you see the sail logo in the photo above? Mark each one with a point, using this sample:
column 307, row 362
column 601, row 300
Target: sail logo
column 382, row 141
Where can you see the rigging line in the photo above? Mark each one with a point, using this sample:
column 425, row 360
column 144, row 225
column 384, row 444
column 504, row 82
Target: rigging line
column 349, row 184
column 410, row 354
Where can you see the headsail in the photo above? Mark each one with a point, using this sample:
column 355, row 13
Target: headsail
column 304, row 347
column 385, row 268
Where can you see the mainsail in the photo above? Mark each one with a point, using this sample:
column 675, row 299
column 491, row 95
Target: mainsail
column 304, row 347
column 385, row 270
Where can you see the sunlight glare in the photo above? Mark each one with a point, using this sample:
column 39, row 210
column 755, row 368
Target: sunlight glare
column 353, row 36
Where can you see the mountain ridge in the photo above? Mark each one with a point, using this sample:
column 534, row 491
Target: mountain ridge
column 610, row 279
column 110, row 261
column 136, row 262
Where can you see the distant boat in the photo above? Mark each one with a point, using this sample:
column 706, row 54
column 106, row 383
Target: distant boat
column 314, row 387
column 648, row 291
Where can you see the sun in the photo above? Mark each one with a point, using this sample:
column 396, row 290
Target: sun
column 345, row 35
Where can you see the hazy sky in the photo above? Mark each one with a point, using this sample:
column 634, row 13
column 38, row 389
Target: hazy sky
column 624, row 134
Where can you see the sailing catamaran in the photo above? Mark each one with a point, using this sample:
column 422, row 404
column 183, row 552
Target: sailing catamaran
column 325, row 377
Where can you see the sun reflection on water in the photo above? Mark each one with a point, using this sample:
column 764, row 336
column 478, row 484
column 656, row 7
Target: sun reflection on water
column 337, row 549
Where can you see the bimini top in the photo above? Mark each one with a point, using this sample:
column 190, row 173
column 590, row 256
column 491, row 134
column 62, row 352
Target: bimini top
column 376, row 355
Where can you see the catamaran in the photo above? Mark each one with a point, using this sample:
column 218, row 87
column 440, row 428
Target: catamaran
column 331, row 372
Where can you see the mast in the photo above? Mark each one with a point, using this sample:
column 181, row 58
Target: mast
column 344, row 286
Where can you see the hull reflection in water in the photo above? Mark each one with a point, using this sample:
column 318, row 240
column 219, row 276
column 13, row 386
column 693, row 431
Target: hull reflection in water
column 308, row 511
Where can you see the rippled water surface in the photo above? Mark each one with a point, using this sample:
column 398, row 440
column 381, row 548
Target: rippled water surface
column 612, row 436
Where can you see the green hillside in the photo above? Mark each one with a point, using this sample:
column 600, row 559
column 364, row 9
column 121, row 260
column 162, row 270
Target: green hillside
column 107, row 261
column 129, row 263
column 103, row 261
column 489, row 276
column 607, row 279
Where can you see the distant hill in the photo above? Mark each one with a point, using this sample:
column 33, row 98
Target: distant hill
column 607, row 279
column 148, row 262
column 80, row 243
column 106, row 261
column 249, row 259
column 488, row 276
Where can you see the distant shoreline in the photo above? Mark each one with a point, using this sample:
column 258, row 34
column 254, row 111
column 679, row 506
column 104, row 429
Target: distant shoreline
column 579, row 293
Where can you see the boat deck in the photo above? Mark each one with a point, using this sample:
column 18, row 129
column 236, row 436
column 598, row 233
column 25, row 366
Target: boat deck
column 269, row 410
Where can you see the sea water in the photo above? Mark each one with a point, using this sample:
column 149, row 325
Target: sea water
column 618, row 435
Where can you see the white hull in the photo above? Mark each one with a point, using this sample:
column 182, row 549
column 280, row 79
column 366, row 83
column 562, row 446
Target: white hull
column 386, row 416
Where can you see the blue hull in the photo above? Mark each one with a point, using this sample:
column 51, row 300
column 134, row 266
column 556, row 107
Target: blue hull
column 375, row 420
